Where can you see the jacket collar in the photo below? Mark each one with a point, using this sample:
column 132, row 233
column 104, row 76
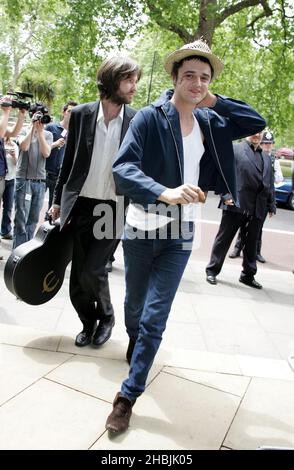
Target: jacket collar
column 250, row 154
column 173, row 117
column 164, row 97
column 129, row 113
column 91, row 115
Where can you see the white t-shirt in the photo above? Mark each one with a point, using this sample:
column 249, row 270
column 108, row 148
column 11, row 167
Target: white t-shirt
column 11, row 164
column 193, row 151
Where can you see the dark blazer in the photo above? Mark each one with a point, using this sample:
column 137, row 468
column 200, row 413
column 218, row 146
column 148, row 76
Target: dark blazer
column 78, row 154
column 255, row 188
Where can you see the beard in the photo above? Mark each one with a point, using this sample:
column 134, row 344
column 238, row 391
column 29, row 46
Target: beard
column 121, row 98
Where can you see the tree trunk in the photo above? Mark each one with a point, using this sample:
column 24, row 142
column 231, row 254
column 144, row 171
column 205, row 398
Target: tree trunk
column 207, row 21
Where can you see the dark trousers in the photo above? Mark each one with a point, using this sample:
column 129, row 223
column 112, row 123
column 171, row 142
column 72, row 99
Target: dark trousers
column 89, row 288
column 250, row 229
column 51, row 179
column 238, row 245
column 7, row 198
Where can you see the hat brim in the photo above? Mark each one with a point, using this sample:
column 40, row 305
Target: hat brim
column 181, row 54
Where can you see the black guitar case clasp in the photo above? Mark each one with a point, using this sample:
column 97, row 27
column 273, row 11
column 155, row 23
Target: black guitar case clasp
column 34, row 271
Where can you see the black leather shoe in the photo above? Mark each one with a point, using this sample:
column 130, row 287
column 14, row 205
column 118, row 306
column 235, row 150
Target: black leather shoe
column 103, row 332
column 250, row 282
column 235, row 254
column 211, row 279
column 130, row 350
column 85, row 336
column 260, row 258
column 8, row 236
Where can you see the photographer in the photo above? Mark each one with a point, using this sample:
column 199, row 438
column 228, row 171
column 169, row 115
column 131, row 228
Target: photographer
column 7, row 132
column 54, row 162
column 30, row 187
column 12, row 151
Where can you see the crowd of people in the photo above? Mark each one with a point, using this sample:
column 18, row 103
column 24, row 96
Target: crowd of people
column 160, row 161
column 26, row 170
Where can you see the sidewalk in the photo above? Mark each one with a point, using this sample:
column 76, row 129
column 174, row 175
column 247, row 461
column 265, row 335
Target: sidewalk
column 220, row 379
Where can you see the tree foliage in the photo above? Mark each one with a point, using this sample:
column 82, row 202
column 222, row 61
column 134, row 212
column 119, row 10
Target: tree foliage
column 56, row 47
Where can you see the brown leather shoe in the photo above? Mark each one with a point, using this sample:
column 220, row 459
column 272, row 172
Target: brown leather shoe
column 119, row 418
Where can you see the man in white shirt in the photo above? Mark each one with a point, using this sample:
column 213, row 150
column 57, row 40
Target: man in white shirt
column 85, row 189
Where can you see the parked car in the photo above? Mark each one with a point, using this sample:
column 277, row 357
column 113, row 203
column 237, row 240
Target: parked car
column 284, row 194
column 285, row 152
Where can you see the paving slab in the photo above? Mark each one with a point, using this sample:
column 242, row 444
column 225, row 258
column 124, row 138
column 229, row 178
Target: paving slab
column 265, row 416
column 50, row 416
column 98, row 377
column 234, row 384
column 21, row 367
column 193, row 416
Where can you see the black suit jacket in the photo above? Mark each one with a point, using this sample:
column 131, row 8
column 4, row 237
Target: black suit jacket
column 78, row 154
column 255, row 188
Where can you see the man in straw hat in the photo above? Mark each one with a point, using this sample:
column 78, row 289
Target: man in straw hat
column 174, row 151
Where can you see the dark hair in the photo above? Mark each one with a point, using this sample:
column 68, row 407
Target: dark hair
column 69, row 103
column 112, row 72
column 178, row 65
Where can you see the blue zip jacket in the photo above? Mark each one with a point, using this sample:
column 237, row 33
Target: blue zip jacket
column 151, row 159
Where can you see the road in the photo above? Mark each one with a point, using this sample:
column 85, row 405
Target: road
column 278, row 235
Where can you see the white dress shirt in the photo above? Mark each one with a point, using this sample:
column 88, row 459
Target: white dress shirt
column 99, row 183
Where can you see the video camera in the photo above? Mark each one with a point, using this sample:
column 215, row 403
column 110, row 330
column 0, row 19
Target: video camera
column 18, row 103
column 37, row 109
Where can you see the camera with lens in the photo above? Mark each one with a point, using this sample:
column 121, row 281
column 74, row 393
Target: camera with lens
column 39, row 112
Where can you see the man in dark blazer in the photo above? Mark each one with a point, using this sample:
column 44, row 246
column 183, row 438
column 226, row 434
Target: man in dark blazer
column 85, row 192
column 255, row 188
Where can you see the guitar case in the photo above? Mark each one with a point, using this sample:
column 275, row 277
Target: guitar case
column 34, row 271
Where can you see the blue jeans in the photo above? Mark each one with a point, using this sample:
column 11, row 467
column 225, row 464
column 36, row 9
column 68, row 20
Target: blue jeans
column 7, row 200
column 29, row 198
column 153, row 271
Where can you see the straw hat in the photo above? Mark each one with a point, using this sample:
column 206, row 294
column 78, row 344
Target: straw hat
column 199, row 48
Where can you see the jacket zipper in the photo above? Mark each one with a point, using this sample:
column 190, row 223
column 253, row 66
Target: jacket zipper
column 174, row 139
column 217, row 157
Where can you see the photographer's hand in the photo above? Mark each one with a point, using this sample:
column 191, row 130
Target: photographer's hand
column 39, row 127
column 5, row 107
column 54, row 212
column 45, row 148
column 58, row 143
